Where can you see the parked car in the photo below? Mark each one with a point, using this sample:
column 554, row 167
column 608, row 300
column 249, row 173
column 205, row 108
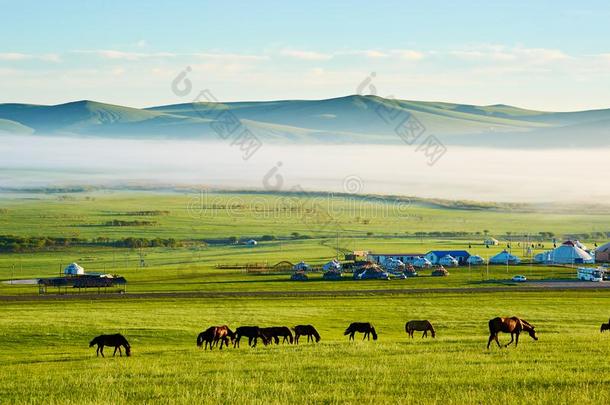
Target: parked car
column 519, row 278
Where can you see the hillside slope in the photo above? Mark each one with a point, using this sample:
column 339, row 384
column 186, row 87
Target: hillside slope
column 350, row 119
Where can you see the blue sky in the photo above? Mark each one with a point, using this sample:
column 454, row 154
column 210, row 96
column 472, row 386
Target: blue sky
column 550, row 55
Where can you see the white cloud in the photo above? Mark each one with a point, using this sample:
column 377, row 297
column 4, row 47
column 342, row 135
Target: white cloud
column 408, row 54
column 16, row 56
column 123, row 55
column 305, row 55
column 502, row 54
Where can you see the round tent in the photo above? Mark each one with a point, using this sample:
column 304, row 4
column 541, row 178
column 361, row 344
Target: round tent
column 602, row 253
column 448, row 261
column 74, row 269
column 422, row 262
column 504, row 258
column 394, row 265
column 333, row 265
column 567, row 253
column 475, row 260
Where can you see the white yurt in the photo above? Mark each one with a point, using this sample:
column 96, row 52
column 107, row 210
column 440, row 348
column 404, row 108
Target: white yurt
column 74, row 269
column 421, row 263
column 503, row 258
column 333, row 265
column 567, row 253
column 448, row 261
column 392, row 264
column 578, row 244
column 475, row 260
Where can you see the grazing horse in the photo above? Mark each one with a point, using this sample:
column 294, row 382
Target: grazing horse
column 222, row 334
column 253, row 333
column 305, row 330
column 362, row 327
column 276, row 332
column 424, row 325
column 605, row 326
column 208, row 337
column 513, row 325
column 116, row 341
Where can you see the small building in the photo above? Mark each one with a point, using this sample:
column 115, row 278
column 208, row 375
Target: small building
column 300, row 266
column 382, row 258
column 73, row 269
column 103, row 283
column 602, row 253
column 357, row 256
column 461, row 256
column 491, row 242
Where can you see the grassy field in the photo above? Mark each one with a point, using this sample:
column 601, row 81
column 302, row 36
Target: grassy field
column 46, row 359
column 349, row 224
column 191, row 215
column 182, row 270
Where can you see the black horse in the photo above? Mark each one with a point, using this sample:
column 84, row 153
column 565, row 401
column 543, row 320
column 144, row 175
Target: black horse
column 306, row 330
column 253, row 333
column 117, row 340
column 275, row 332
column 207, row 337
column 362, row 327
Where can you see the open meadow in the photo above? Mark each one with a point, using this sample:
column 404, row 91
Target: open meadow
column 175, row 290
column 46, row 358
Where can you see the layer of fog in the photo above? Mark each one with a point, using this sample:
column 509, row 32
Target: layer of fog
column 461, row 173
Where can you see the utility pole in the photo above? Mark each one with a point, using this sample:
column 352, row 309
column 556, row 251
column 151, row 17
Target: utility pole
column 337, row 250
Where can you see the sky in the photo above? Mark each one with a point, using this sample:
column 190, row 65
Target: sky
column 546, row 55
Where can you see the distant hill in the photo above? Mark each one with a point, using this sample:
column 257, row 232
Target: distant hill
column 351, row 119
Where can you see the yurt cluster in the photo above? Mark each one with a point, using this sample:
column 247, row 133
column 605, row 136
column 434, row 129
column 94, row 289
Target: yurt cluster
column 367, row 265
column 569, row 252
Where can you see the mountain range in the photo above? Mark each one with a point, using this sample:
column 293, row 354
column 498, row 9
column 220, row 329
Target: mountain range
column 348, row 120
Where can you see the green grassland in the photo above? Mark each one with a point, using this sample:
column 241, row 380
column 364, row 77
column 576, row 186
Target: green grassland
column 331, row 225
column 193, row 215
column 45, row 357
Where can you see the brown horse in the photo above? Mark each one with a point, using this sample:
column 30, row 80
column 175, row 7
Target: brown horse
column 605, row 326
column 424, row 326
column 207, row 337
column 513, row 325
column 305, row 330
column 116, row 341
column 361, row 327
column 222, row 334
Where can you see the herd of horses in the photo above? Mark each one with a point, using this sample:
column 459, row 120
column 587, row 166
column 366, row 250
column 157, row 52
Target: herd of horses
column 223, row 336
